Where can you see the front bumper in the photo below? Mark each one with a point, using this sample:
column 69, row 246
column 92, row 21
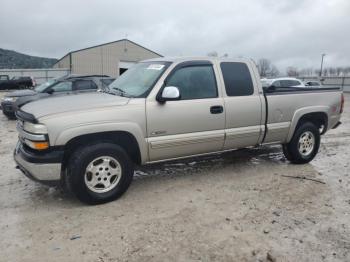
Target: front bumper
column 41, row 167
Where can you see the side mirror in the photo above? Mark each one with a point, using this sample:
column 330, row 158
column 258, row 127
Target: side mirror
column 50, row 91
column 170, row 93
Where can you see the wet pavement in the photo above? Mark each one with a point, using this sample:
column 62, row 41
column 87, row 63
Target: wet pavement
column 237, row 206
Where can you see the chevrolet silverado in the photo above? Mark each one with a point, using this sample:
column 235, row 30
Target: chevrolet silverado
column 164, row 109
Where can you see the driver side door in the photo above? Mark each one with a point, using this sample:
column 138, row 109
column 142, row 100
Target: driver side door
column 192, row 125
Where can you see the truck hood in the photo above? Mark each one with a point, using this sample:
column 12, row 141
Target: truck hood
column 70, row 103
column 21, row 93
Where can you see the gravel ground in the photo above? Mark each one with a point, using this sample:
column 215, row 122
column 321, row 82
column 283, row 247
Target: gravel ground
column 237, row 206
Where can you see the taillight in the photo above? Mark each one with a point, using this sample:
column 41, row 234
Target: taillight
column 342, row 103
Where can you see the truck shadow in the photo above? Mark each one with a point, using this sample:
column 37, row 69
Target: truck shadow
column 242, row 158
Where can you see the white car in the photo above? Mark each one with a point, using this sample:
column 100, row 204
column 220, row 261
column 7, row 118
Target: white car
column 282, row 82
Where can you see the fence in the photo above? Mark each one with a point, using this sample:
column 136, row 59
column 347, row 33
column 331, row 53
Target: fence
column 40, row 75
column 342, row 81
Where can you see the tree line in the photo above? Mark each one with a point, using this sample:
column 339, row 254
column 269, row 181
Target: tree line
column 268, row 70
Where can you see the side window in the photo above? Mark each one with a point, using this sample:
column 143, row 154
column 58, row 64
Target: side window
column 286, row 83
column 84, row 85
column 194, row 82
column 296, row 83
column 277, row 83
column 237, row 78
column 63, row 87
column 291, row 83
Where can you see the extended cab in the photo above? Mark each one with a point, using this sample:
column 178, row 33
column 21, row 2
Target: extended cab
column 166, row 109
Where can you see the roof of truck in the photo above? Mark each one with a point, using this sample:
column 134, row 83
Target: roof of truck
column 191, row 58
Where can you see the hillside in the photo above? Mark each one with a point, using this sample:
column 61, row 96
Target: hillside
column 10, row 60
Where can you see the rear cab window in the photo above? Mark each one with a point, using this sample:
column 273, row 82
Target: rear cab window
column 237, row 79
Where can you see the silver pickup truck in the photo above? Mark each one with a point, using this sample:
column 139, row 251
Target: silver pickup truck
column 165, row 109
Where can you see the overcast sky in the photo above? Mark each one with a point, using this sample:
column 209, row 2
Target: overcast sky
column 288, row 32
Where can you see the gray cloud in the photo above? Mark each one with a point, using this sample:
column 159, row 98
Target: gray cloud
column 288, row 32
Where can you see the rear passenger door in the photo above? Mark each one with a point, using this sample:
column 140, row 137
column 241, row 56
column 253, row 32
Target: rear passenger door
column 243, row 106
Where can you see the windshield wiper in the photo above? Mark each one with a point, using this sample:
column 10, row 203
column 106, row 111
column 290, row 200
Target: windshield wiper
column 107, row 91
column 120, row 92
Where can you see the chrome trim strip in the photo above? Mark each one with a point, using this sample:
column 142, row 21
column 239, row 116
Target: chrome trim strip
column 277, row 126
column 243, row 132
column 179, row 140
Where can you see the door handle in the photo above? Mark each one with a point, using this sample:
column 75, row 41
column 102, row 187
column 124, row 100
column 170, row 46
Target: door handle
column 216, row 109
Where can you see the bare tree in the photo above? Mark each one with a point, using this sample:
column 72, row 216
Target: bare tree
column 332, row 71
column 306, row 72
column 339, row 71
column 213, row 54
column 216, row 54
column 292, row 71
column 266, row 68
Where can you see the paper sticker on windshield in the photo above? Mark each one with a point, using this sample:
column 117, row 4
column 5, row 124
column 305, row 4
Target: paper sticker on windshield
column 155, row 67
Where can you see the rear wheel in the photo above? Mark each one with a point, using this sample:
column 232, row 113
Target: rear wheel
column 304, row 144
column 99, row 173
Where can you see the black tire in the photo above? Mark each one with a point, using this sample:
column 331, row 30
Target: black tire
column 80, row 160
column 291, row 150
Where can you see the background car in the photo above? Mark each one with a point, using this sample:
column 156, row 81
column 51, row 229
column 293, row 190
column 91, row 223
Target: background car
column 62, row 86
column 17, row 82
column 282, row 82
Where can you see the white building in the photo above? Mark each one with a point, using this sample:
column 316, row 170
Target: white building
column 107, row 59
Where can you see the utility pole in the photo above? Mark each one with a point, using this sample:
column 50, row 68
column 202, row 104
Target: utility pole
column 322, row 56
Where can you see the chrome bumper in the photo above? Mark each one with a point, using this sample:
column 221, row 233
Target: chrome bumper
column 47, row 173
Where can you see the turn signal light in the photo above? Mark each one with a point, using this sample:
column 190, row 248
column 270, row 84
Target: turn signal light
column 42, row 145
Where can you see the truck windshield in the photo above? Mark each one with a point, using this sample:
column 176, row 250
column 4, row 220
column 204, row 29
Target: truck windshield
column 139, row 79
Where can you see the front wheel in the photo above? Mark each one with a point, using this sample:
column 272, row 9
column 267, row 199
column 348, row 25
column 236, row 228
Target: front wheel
column 99, row 173
column 304, row 144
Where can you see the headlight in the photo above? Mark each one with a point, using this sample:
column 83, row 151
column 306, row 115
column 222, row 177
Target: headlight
column 34, row 128
column 9, row 99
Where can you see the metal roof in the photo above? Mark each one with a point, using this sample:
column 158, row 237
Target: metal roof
column 71, row 52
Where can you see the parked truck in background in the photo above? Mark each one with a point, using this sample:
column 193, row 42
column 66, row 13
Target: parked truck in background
column 17, row 82
column 166, row 109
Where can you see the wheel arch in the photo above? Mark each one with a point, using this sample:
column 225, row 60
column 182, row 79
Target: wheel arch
column 316, row 115
column 122, row 138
